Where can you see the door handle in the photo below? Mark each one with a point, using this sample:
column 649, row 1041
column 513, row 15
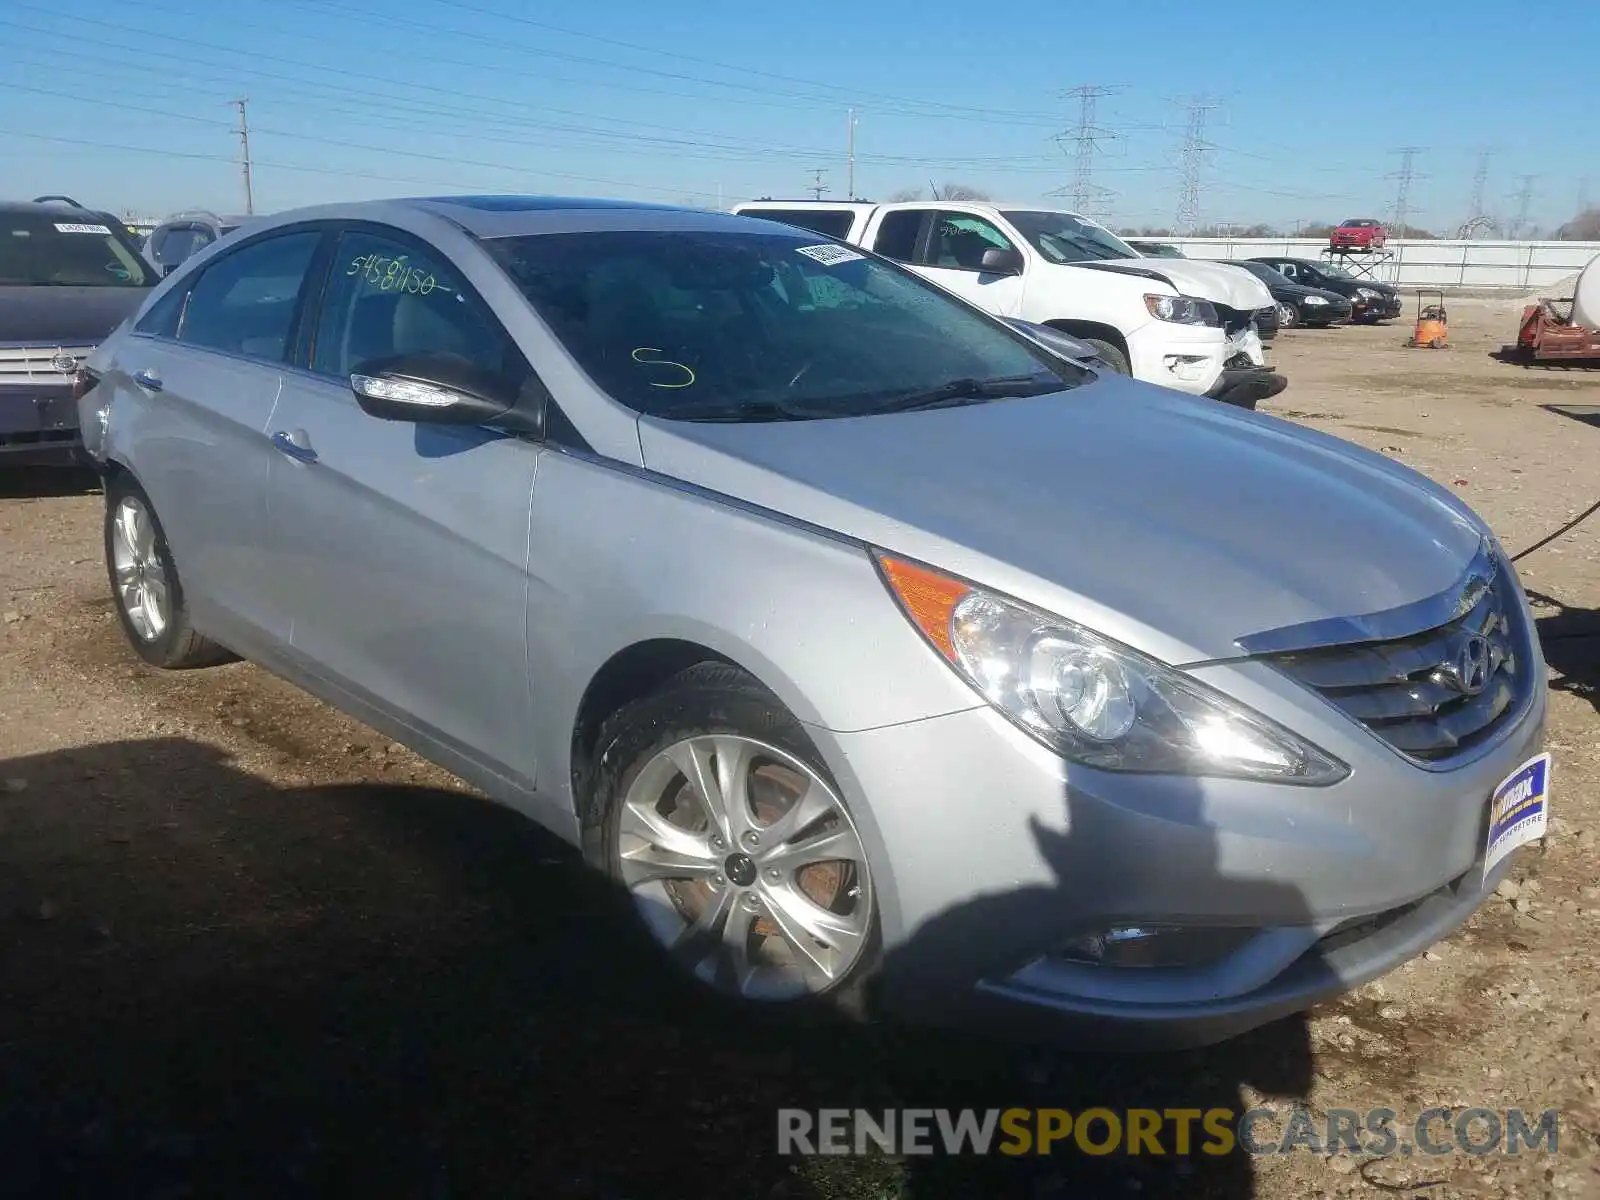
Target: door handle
column 148, row 380
column 295, row 444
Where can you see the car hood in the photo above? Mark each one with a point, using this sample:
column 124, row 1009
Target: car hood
column 1173, row 523
column 1299, row 291
column 65, row 316
column 1217, row 282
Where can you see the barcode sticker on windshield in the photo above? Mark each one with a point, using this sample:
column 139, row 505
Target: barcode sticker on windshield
column 830, row 256
column 60, row 228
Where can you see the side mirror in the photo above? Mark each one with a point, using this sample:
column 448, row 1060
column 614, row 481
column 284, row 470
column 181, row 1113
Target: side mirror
column 436, row 389
column 1001, row 262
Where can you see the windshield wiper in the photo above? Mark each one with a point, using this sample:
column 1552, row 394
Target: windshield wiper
column 970, row 391
column 748, row 410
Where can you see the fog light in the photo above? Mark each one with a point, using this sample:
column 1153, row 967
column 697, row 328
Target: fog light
column 1184, row 366
column 1154, row 946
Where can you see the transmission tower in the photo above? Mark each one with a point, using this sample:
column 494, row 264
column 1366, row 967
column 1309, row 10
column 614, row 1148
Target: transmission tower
column 1524, row 205
column 1405, row 177
column 1583, row 194
column 1086, row 141
column 1480, row 183
column 1194, row 161
column 819, row 182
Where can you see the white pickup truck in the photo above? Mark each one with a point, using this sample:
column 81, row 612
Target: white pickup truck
column 1185, row 324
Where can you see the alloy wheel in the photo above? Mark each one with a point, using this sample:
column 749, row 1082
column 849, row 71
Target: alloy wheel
column 142, row 586
column 746, row 866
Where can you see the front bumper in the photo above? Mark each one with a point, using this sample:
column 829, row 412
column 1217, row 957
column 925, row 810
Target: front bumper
column 1323, row 314
column 990, row 853
column 38, row 425
column 1246, row 387
column 1384, row 309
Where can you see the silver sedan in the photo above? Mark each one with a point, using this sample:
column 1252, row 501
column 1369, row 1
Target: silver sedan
column 876, row 650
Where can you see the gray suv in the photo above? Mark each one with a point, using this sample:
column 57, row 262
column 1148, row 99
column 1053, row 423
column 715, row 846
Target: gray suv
column 873, row 650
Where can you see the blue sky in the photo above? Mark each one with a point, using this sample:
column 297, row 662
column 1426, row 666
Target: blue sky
column 126, row 107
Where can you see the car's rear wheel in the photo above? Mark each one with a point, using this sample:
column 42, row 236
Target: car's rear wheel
column 711, row 809
column 145, row 586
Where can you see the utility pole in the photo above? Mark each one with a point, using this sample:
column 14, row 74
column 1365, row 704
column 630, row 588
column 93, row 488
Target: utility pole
column 1406, row 176
column 850, row 154
column 244, row 143
column 819, row 184
column 1524, row 204
column 1086, row 140
column 1583, row 195
column 1194, row 161
column 1480, row 183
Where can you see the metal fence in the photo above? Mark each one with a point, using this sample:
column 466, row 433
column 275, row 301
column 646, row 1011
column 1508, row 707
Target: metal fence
column 1510, row 266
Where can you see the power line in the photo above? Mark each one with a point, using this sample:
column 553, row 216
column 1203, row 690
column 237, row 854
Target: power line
column 1086, row 140
column 1194, row 161
column 244, row 163
column 1405, row 177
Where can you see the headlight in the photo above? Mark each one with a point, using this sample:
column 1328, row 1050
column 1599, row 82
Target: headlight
column 1093, row 700
column 1183, row 310
column 1368, row 294
column 1314, row 300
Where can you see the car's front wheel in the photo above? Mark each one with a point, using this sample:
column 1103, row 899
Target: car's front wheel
column 145, row 587
column 1288, row 316
column 711, row 809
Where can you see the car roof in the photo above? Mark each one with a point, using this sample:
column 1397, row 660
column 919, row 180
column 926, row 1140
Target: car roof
column 54, row 206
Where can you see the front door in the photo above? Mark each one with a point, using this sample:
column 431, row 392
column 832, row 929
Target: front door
column 403, row 547
column 953, row 258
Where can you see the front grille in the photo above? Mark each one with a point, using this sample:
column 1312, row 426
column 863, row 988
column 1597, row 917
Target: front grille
column 40, row 364
column 1434, row 694
column 1267, row 318
column 1235, row 320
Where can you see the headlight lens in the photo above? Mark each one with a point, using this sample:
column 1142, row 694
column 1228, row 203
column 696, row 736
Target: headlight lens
column 1182, row 310
column 1314, row 300
column 1368, row 294
column 1093, row 700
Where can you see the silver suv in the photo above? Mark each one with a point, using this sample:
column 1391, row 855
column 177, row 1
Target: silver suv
column 871, row 648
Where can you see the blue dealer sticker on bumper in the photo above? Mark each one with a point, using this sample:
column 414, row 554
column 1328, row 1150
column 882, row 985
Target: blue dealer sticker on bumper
column 1519, row 810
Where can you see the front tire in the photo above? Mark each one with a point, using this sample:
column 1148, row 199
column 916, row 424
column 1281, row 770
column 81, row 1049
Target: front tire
column 1288, row 316
column 711, row 809
column 144, row 584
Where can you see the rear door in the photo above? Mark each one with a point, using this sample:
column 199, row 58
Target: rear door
column 948, row 250
column 402, row 548
column 206, row 365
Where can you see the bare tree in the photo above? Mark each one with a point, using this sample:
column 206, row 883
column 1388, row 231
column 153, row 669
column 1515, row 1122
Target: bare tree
column 959, row 191
column 1585, row 227
column 905, row 195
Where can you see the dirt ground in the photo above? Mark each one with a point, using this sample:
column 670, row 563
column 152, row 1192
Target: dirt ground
column 250, row 948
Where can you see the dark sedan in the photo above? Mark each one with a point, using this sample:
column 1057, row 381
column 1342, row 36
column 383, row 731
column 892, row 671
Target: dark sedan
column 1370, row 300
column 1297, row 303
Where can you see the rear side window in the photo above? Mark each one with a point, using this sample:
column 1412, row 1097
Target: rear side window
column 244, row 302
column 67, row 249
column 897, row 235
column 833, row 223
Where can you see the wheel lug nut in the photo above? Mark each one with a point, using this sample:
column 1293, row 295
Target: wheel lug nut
column 717, row 881
column 718, row 844
column 774, row 874
column 751, row 903
column 752, row 838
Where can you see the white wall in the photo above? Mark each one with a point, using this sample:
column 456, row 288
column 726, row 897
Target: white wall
column 1514, row 266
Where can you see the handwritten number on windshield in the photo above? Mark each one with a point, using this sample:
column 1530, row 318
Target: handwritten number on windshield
column 392, row 274
column 663, row 362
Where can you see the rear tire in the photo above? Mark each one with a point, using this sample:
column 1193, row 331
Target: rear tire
column 1110, row 355
column 144, row 585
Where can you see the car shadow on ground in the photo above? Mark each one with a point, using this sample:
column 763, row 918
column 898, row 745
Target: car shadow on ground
column 36, row 483
column 212, row 986
column 1570, row 639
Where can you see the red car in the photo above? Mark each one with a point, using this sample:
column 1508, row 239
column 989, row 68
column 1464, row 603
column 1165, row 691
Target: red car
column 1359, row 233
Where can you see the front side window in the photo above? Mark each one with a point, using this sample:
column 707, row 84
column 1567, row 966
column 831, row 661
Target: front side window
column 61, row 249
column 244, row 302
column 1064, row 238
column 737, row 326
column 960, row 241
column 386, row 298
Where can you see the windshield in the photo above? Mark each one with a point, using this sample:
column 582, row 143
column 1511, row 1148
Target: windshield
column 1157, row 250
column 738, row 326
column 1064, row 238
column 1333, row 272
column 52, row 249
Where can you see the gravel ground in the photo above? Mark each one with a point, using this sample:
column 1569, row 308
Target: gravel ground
column 250, row 948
